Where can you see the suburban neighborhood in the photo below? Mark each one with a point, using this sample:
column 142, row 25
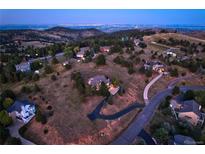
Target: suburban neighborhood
column 134, row 86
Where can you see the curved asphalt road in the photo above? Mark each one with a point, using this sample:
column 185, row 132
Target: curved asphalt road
column 96, row 113
column 128, row 136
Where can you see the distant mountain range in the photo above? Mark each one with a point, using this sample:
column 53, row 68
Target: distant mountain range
column 105, row 28
column 55, row 34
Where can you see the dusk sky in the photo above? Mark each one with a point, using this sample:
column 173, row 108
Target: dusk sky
column 195, row 17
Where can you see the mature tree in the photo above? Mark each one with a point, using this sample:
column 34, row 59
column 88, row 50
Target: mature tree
column 131, row 70
column 174, row 72
column 48, row 69
column 40, row 117
column 161, row 135
column 35, row 77
column 7, row 102
column 5, row 119
column 52, row 53
column 104, row 90
column 8, row 93
column 68, row 52
column 36, row 65
column 189, row 95
column 100, row 60
column 4, row 134
column 54, row 60
column 175, row 90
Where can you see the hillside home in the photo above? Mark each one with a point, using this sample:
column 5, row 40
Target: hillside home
column 154, row 66
column 82, row 52
column 189, row 111
column 23, row 67
column 105, row 49
column 171, row 52
column 97, row 80
column 22, row 110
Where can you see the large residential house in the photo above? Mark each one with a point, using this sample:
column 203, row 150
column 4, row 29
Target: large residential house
column 24, row 111
column 105, row 49
column 23, row 67
column 189, row 111
column 154, row 66
column 82, row 52
column 97, row 80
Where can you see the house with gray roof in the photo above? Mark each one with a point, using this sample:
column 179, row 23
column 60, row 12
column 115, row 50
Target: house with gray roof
column 82, row 52
column 183, row 140
column 189, row 111
column 23, row 111
column 97, row 80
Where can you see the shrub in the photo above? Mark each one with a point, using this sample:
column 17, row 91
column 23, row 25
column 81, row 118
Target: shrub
column 8, row 93
column 131, row 70
column 7, row 103
column 26, row 89
column 54, row 60
column 148, row 73
column 5, row 119
column 189, row 95
column 104, row 90
column 53, row 77
column 36, row 88
column 35, row 77
column 48, row 69
column 162, row 135
column 4, row 134
column 100, row 60
column 40, row 117
column 79, row 82
column 175, row 90
column 22, row 130
column 68, row 66
column 49, row 107
column 174, row 72
column 45, row 131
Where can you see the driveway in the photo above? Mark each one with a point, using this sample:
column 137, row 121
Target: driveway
column 14, row 131
column 146, row 90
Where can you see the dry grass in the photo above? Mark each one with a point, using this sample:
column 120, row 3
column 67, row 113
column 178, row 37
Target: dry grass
column 69, row 124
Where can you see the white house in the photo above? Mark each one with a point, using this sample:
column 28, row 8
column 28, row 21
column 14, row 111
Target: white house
column 22, row 110
column 23, row 67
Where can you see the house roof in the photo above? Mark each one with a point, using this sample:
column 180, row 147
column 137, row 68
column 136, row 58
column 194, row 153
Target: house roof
column 183, row 140
column 190, row 106
column 18, row 104
column 83, row 49
column 98, row 79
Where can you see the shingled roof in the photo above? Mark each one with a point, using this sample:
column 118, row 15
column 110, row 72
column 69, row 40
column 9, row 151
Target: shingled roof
column 190, row 106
